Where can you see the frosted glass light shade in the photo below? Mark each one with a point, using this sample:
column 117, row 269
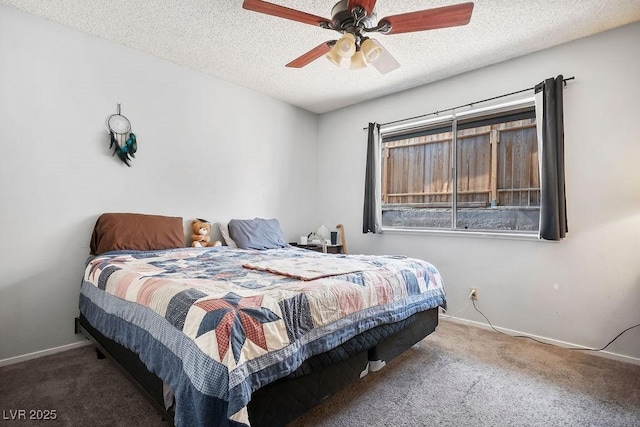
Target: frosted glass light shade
column 333, row 56
column 346, row 46
column 370, row 50
column 357, row 61
column 384, row 62
column 338, row 60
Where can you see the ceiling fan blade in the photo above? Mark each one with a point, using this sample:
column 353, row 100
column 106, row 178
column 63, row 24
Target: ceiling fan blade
column 312, row 55
column 430, row 19
column 385, row 62
column 283, row 12
column 367, row 5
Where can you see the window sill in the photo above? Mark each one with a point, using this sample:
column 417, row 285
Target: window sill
column 507, row 235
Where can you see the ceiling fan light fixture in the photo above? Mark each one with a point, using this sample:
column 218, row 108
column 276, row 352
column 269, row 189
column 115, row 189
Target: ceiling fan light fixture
column 357, row 61
column 346, row 46
column 370, row 50
column 334, row 57
column 385, row 62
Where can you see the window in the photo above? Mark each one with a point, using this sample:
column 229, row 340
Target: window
column 476, row 170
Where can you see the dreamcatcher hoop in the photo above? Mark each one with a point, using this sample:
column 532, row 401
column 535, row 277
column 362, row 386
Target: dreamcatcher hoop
column 118, row 124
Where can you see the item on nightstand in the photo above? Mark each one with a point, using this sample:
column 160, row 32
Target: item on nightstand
column 334, row 237
column 343, row 240
column 323, row 233
column 200, row 237
column 318, row 240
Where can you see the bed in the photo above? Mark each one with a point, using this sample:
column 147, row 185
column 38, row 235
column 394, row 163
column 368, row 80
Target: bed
column 248, row 336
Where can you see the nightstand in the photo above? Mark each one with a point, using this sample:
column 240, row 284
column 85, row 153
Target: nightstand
column 331, row 249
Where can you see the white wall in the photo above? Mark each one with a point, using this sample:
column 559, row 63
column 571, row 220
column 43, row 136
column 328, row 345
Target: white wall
column 206, row 149
column 597, row 268
column 211, row 149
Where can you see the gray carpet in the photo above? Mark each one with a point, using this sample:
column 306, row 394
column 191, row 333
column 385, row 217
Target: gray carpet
column 458, row 376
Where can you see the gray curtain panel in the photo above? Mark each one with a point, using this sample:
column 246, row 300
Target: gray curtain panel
column 550, row 124
column 372, row 215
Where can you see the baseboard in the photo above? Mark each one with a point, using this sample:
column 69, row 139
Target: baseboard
column 605, row 354
column 42, row 353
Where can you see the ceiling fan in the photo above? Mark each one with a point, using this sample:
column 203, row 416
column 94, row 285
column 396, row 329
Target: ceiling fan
column 355, row 19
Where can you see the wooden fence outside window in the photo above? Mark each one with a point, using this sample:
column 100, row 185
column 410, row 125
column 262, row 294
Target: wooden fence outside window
column 496, row 165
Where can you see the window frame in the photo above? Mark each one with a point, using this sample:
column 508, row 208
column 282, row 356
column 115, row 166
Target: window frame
column 451, row 120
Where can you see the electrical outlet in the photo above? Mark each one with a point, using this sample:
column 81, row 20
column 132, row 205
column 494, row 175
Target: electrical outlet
column 473, row 293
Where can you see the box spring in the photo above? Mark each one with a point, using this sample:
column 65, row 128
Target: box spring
column 289, row 397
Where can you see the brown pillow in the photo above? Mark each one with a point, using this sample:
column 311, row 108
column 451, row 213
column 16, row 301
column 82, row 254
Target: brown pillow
column 138, row 232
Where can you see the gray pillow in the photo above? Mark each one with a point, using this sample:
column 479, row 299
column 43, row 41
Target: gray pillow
column 257, row 233
column 224, row 231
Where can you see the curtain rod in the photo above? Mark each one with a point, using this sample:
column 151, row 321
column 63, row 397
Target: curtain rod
column 471, row 104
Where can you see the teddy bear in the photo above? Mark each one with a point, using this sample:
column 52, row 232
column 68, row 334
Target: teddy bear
column 200, row 237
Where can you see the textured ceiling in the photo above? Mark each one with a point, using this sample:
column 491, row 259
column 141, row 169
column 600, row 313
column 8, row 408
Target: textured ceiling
column 220, row 38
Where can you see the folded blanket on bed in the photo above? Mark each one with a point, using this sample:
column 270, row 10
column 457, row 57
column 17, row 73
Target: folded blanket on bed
column 309, row 268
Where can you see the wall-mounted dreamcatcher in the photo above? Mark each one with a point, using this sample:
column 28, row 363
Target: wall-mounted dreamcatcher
column 123, row 141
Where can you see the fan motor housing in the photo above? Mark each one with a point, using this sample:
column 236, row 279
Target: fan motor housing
column 341, row 17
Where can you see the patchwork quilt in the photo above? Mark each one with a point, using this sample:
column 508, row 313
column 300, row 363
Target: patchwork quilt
column 216, row 324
